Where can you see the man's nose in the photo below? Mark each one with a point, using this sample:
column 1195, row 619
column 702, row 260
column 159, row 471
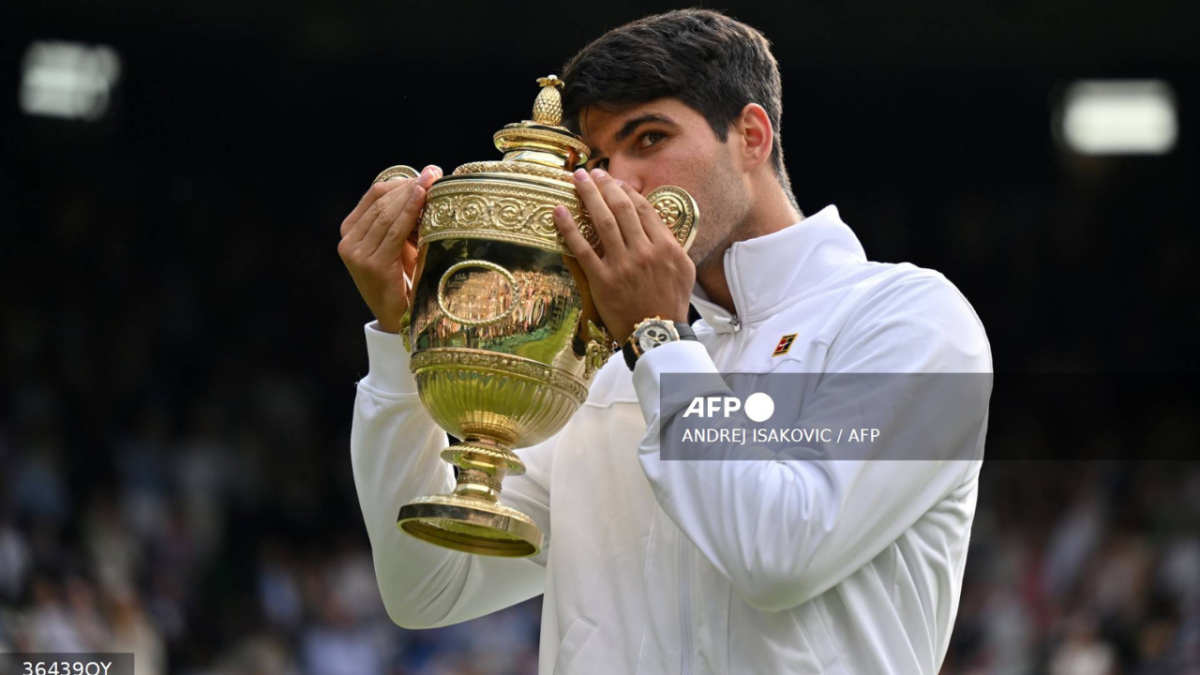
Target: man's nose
column 626, row 173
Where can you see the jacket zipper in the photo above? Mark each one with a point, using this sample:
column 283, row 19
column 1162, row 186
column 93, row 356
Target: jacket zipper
column 735, row 293
column 685, row 577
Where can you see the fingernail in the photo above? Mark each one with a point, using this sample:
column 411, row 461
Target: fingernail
column 620, row 182
column 416, row 193
column 581, row 175
column 598, row 174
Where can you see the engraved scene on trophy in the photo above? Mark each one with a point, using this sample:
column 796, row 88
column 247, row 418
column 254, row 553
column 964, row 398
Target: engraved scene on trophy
column 495, row 296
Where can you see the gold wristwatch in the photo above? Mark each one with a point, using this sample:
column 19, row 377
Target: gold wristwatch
column 654, row 332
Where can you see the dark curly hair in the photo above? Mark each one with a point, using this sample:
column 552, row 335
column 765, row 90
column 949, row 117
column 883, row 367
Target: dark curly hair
column 712, row 63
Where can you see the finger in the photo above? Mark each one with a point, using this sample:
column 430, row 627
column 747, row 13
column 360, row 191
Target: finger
column 382, row 214
column 408, row 256
column 376, row 191
column 602, row 218
column 576, row 242
column 628, row 220
column 383, row 209
column 652, row 223
column 425, row 179
column 428, row 175
column 391, row 241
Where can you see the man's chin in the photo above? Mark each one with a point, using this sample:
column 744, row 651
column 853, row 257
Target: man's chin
column 706, row 261
column 706, row 254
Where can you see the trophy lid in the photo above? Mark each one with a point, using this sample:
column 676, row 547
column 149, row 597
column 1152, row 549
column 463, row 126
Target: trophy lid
column 540, row 142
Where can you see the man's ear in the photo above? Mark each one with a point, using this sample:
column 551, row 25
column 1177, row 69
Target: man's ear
column 758, row 136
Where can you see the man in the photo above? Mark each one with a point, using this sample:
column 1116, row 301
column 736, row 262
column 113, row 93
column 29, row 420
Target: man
column 661, row 566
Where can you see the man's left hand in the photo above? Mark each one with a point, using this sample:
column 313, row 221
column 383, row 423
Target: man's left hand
column 644, row 271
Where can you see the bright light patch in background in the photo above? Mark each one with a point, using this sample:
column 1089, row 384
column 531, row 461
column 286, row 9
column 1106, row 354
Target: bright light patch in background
column 1119, row 118
column 68, row 80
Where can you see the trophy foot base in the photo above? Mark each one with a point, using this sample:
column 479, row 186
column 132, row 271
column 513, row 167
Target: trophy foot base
column 471, row 519
column 471, row 525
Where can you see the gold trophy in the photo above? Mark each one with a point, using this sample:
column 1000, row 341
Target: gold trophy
column 504, row 335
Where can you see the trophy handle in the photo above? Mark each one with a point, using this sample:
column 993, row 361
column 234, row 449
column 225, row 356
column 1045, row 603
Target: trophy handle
column 678, row 210
column 396, row 172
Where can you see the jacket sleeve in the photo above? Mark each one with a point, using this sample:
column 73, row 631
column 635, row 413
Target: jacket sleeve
column 786, row 527
column 395, row 451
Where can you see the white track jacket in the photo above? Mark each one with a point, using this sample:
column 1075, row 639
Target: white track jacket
column 664, row 567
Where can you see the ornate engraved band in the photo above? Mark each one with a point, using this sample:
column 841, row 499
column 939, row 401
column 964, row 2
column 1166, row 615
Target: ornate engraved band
column 515, row 133
column 514, row 167
column 501, row 209
column 478, row 359
column 479, row 477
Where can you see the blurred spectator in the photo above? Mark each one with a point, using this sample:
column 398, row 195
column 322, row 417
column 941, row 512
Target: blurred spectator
column 133, row 633
column 84, row 614
column 140, row 463
column 278, row 592
column 14, row 559
column 116, row 555
column 338, row 644
column 38, row 487
column 1083, row 652
column 52, row 628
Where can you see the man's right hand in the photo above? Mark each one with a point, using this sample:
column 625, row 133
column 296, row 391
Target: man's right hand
column 375, row 246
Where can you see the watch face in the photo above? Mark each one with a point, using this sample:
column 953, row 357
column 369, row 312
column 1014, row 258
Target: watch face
column 652, row 335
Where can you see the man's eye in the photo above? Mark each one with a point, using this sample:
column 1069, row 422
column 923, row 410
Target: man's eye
column 650, row 138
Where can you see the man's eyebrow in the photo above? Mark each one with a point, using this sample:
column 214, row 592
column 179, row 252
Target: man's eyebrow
column 632, row 125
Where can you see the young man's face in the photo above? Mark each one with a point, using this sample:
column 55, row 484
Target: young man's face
column 665, row 142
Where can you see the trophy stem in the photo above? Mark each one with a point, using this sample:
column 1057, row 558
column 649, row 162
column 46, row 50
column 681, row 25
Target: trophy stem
column 471, row 519
column 478, row 484
column 482, row 463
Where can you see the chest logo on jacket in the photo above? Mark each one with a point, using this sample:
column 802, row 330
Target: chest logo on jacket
column 785, row 343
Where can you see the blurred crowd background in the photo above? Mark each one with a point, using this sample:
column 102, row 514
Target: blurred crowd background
column 179, row 342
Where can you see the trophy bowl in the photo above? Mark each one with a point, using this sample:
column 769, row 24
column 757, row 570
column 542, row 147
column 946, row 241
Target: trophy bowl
column 504, row 335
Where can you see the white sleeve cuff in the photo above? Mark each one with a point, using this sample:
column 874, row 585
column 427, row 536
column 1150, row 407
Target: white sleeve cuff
column 683, row 356
column 390, row 372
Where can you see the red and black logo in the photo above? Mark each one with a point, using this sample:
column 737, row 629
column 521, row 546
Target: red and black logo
column 784, row 345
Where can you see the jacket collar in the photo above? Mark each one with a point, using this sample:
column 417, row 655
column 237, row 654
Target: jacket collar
column 768, row 273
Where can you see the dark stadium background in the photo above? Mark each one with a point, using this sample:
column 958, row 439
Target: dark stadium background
column 179, row 341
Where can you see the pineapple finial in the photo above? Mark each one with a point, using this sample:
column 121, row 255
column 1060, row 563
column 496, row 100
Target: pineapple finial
column 547, row 109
